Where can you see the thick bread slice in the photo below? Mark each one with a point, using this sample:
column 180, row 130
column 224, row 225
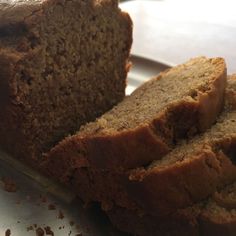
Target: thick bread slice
column 147, row 124
column 191, row 172
column 214, row 217
column 62, row 63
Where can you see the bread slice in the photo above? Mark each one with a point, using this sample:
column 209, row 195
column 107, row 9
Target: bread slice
column 147, row 124
column 188, row 174
column 62, row 64
column 214, row 217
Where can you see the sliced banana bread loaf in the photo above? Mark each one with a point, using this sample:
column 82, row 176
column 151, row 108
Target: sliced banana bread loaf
column 147, row 124
column 191, row 172
column 213, row 217
column 62, row 63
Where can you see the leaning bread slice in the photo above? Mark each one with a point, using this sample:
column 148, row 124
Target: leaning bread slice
column 213, row 217
column 147, row 124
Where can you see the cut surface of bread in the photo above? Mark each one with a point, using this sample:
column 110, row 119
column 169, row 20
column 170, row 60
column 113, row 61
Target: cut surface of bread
column 62, row 64
column 213, row 217
column 147, row 124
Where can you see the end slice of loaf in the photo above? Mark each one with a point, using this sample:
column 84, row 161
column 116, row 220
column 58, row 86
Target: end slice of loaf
column 62, row 63
column 213, row 217
column 147, row 124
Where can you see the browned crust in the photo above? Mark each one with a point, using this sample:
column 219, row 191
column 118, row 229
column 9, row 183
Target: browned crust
column 10, row 109
column 7, row 65
column 109, row 151
column 211, row 102
column 75, row 149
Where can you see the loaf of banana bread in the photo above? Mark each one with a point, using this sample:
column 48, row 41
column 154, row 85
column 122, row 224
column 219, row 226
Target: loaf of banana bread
column 62, row 64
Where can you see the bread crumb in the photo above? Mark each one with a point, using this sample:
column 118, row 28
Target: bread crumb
column 9, row 185
column 40, row 232
column 43, row 198
column 71, row 223
column 29, row 228
column 51, row 207
column 48, row 231
column 8, row 232
column 60, row 215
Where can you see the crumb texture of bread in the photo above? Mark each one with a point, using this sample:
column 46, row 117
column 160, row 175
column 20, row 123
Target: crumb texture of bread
column 62, row 63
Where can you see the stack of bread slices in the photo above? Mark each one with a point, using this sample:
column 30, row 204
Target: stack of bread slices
column 161, row 162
